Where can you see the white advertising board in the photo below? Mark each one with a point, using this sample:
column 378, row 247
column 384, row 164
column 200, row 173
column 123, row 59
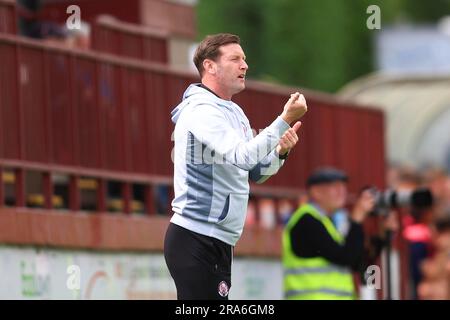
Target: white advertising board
column 42, row 273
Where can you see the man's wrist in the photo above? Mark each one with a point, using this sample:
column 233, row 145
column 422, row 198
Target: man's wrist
column 358, row 217
column 282, row 156
column 286, row 119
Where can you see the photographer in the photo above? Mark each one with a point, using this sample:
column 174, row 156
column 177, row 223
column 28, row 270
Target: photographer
column 318, row 260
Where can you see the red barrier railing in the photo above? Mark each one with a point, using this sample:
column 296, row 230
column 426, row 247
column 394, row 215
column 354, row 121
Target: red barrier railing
column 18, row 169
column 20, row 225
column 129, row 40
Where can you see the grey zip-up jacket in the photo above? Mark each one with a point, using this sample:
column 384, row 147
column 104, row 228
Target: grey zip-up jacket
column 215, row 154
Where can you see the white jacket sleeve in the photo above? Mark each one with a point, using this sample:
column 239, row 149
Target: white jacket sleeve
column 211, row 127
column 266, row 168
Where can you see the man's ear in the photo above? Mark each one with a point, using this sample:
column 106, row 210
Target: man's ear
column 209, row 66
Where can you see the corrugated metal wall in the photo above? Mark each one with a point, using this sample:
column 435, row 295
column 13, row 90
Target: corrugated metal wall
column 33, row 106
column 135, row 121
column 100, row 112
column 9, row 117
column 331, row 134
column 129, row 41
column 7, row 16
column 87, row 144
column 60, row 105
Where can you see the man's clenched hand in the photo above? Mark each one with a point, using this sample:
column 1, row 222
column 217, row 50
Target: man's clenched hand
column 294, row 108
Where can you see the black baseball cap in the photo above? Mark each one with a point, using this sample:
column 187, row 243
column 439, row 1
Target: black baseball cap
column 326, row 175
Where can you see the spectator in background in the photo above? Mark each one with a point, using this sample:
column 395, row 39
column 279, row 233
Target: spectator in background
column 162, row 198
column 267, row 213
column 32, row 25
column 418, row 224
column 79, row 38
column 438, row 181
column 286, row 208
column 418, row 235
column 436, row 269
column 29, row 24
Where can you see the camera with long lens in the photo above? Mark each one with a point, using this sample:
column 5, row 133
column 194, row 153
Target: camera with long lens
column 418, row 199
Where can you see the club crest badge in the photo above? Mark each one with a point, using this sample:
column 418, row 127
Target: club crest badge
column 223, row 289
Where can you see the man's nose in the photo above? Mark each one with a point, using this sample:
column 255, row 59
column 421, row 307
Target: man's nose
column 244, row 65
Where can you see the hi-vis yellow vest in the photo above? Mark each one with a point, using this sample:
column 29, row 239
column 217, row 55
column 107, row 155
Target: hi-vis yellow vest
column 314, row 278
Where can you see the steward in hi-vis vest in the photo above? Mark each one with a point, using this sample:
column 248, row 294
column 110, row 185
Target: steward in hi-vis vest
column 317, row 258
column 315, row 277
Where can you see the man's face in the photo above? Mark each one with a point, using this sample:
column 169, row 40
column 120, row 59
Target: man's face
column 231, row 68
column 330, row 196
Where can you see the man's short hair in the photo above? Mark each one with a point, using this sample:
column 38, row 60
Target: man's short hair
column 209, row 48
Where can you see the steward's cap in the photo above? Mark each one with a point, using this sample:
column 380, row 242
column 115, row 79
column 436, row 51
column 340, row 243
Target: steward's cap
column 326, row 175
